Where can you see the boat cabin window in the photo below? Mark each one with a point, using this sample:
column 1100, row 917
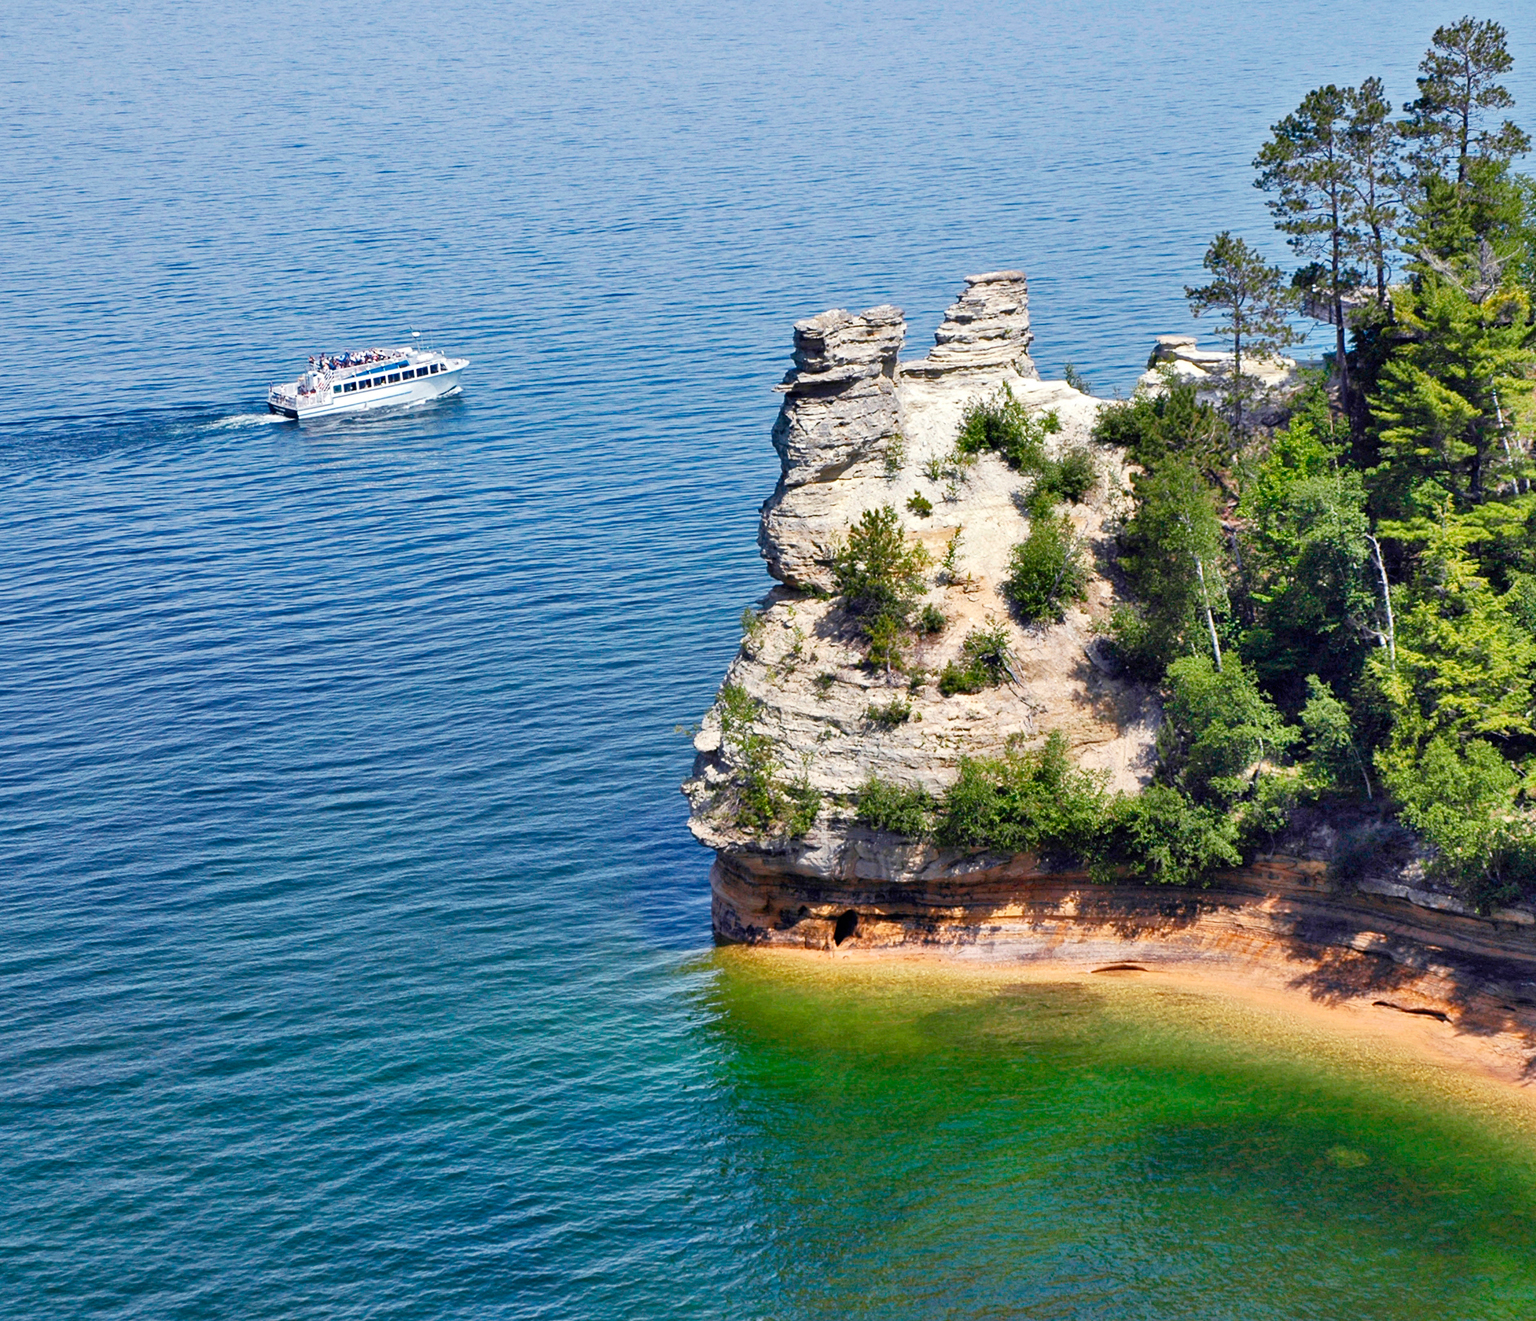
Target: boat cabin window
column 394, row 377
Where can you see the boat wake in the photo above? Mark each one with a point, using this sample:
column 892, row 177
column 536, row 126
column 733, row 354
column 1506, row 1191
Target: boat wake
column 244, row 420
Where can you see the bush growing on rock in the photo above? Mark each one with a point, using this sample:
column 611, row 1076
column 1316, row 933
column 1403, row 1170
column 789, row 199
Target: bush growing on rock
column 920, row 505
column 880, row 576
column 763, row 804
column 1003, row 425
column 983, row 662
column 887, row 806
column 1026, row 801
column 1217, row 727
column 876, row 570
column 1163, row 837
column 1172, row 424
column 1047, row 570
column 1070, row 477
column 890, row 714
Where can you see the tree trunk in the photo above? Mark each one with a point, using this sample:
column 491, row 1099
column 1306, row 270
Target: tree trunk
column 1210, row 619
column 1386, row 600
column 1237, row 383
column 1338, row 317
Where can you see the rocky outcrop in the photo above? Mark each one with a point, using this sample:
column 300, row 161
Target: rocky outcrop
column 839, row 421
column 1208, row 370
column 987, row 329
column 855, row 433
column 858, row 431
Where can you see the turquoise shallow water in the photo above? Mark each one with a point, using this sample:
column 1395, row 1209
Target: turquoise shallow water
column 354, row 956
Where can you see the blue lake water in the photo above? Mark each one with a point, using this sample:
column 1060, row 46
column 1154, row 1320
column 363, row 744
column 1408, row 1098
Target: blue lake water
column 354, row 954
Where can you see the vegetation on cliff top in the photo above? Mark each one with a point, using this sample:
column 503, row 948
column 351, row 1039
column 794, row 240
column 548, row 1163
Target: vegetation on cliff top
column 1343, row 606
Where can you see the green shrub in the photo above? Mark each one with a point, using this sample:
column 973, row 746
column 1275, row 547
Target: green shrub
column 875, row 568
column 983, row 662
column 895, row 712
column 895, row 456
column 804, row 807
column 1047, row 570
column 1217, row 726
column 955, row 678
column 1163, row 837
column 1072, row 476
column 823, row 684
column 1153, row 428
column 920, row 506
column 884, row 634
column 951, row 552
column 1137, row 645
column 1266, row 811
column 930, row 620
column 1026, row 801
column 761, row 802
column 751, row 630
column 1333, row 756
column 1460, row 797
column 1003, row 425
column 1072, row 377
column 887, row 806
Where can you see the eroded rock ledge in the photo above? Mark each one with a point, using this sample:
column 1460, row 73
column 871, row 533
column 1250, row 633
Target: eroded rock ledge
column 859, row 429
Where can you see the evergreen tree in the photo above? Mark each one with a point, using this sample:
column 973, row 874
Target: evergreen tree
column 1171, row 552
column 1375, row 180
column 1306, row 556
column 1458, row 88
column 1247, row 291
column 1435, row 409
column 1464, row 193
column 1463, row 665
column 1307, row 165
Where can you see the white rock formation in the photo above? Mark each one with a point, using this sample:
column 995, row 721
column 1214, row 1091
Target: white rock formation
column 1208, row 369
column 986, row 329
column 856, row 433
column 839, row 419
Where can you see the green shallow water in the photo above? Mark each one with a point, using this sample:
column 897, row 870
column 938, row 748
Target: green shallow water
column 932, row 1145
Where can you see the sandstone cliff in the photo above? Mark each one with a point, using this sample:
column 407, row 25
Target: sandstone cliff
column 859, row 429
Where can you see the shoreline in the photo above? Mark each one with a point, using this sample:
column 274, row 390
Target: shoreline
column 1459, row 987
column 1492, row 1066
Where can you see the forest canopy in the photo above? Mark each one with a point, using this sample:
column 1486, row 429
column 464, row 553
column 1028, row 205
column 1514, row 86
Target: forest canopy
column 1341, row 604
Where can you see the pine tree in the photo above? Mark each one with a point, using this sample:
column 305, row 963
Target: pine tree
column 1372, row 142
column 1248, row 292
column 1307, row 165
column 1457, row 91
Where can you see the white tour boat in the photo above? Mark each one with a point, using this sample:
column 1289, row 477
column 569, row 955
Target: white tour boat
column 372, row 378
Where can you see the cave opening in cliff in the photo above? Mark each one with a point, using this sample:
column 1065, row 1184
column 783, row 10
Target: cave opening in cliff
column 847, row 924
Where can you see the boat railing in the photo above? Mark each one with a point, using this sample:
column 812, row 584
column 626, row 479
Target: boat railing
column 340, row 371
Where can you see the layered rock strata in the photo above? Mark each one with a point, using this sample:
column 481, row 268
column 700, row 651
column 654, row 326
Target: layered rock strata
column 857, row 431
column 1279, row 923
column 986, row 329
column 840, row 419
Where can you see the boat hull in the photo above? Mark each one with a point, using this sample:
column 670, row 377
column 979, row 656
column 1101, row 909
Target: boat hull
column 382, row 396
